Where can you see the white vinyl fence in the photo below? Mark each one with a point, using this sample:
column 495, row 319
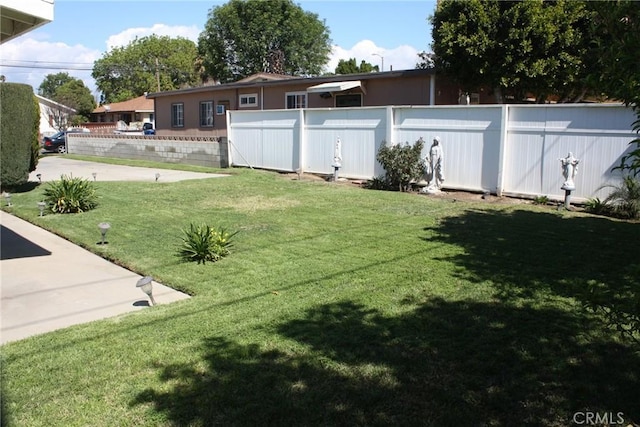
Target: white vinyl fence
column 512, row 150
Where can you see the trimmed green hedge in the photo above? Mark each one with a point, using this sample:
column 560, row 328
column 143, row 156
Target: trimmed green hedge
column 19, row 124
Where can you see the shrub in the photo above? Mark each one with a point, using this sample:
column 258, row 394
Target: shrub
column 540, row 200
column 378, row 183
column 624, row 200
column 70, row 195
column 18, row 135
column 402, row 163
column 202, row 243
column 597, row 206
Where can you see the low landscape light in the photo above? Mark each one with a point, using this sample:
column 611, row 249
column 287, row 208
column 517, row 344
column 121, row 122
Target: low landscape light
column 41, row 206
column 157, row 176
column 39, row 176
column 104, row 227
column 94, row 175
column 7, row 197
column 147, row 287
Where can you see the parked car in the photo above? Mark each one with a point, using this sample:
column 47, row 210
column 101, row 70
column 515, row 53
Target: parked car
column 147, row 129
column 58, row 141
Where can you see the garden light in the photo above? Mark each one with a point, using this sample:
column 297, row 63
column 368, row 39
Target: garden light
column 39, row 176
column 94, row 175
column 104, row 227
column 7, row 197
column 157, row 176
column 147, row 287
column 41, row 206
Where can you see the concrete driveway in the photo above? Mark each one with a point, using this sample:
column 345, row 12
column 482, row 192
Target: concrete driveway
column 48, row 283
column 51, row 167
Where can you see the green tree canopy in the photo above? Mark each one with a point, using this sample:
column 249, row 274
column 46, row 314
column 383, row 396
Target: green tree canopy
column 52, row 82
column 76, row 95
column 70, row 92
column 148, row 64
column 616, row 68
column 243, row 37
column 351, row 67
column 515, row 48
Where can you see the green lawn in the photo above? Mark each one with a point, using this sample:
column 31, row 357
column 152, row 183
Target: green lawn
column 337, row 306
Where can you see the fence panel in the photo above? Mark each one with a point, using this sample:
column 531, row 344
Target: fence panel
column 265, row 139
column 470, row 139
column 361, row 132
column 539, row 136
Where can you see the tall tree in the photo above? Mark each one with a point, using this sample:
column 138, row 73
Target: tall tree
column 51, row 83
column 70, row 92
column 76, row 95
column 243, row 37
column 513, row 47
column 616, row 68
column 148, row 64
column 351, row 67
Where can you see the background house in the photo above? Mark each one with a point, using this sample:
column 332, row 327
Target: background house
column 201, row 110
column 53, row 116
column 134, row 111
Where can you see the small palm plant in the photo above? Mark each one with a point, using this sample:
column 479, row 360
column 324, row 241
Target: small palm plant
column 624, row 200
column 202, row 243
column 70, row 195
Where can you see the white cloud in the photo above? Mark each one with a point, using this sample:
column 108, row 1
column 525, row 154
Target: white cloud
column 402, row 57
column 126, row 36
column 28, row 60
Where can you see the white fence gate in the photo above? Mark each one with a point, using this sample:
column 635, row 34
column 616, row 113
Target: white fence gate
column 505, row 149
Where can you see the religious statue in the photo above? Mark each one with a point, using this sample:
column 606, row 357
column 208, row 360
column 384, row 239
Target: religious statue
column 569, row 171
column 434, row 167
column 337, row 154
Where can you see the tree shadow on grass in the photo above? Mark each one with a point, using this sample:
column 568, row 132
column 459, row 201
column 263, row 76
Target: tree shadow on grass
column 443, row 363
column 527, row 255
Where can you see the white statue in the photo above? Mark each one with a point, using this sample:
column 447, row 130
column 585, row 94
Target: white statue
column 337, row 154
column 569, row 171
column 434, row 166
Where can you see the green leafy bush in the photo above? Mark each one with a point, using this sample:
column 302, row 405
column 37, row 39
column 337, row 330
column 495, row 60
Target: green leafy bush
column 202, row 243
column 377, row 183
column 540, row 200
column 70, row 195
column 402, row 163
column 597, row 206
column 18, row 133
column 624, row 200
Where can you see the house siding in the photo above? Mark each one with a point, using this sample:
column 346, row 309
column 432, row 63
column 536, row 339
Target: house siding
column 409, row 87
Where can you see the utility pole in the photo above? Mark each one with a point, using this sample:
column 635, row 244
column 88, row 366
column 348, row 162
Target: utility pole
column 158, row 74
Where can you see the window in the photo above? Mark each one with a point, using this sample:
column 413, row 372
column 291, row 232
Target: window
column 296, row 100
column 250, row 100
column 177, row 115
column 350, row 100
column 222, row 107
column 206, row 114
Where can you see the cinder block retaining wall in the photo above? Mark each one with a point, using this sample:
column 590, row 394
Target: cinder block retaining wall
column 198, row 151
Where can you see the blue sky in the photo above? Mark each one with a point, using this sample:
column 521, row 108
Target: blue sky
column 83, row 31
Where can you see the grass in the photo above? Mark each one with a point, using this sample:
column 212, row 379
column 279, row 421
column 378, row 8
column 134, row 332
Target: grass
column 336, row 306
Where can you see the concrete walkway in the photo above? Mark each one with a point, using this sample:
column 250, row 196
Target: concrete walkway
column 48, row 283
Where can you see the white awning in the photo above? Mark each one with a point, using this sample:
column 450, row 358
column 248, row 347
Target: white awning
column 335, row 87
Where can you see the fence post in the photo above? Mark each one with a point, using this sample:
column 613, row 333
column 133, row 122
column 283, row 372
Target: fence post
column 389, row 133
column 302, row 141
column 504, row 135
